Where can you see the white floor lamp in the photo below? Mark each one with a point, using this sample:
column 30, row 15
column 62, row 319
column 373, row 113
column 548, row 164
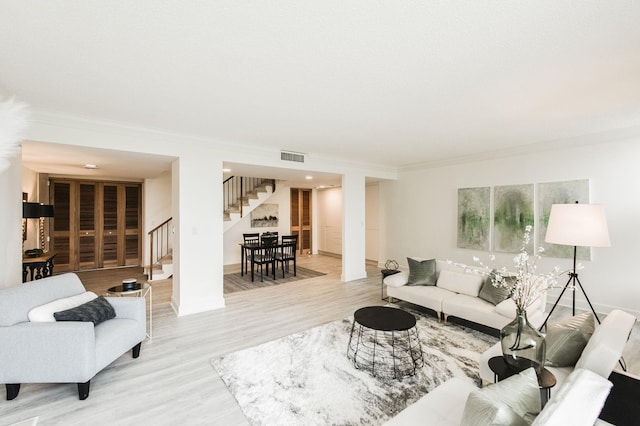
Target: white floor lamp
column 576, row 225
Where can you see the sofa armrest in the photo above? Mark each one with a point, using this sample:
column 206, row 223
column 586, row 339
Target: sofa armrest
column 129, row 307
column 47, row 352
column 605, row 346
column 397, row 280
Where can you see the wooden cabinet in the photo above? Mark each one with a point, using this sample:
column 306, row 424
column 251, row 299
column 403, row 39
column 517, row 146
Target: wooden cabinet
column 96, row 224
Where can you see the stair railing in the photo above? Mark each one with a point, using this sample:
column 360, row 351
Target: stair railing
column 235, row 188
column 160, row 243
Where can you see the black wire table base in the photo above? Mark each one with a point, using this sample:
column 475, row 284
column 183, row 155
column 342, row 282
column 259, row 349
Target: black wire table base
column 385, row 354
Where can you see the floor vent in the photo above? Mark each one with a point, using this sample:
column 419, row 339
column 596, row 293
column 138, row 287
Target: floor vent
column 292, row 156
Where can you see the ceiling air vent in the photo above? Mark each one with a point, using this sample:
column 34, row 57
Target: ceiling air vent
column 292, row 156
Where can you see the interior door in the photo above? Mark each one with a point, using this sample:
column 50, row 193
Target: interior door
column 301, row 218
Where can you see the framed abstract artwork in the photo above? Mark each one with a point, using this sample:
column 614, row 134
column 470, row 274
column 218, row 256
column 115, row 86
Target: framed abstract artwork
column 474, row 218
column 513, row 211
column 560, row 193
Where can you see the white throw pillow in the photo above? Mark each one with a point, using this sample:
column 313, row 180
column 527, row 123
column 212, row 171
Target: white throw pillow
column 577, row 402
column 397, row 280
column 457, row 282
column 44, row 313
column 504, row 403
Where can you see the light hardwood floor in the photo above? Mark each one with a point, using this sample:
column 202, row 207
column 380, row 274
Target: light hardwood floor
column 173, row 382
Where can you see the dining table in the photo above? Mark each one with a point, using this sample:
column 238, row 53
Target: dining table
column 252, row 248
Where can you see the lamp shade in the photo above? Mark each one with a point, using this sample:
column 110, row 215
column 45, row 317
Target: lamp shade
column 582, row 225
column 30, row 210
column 46, row 210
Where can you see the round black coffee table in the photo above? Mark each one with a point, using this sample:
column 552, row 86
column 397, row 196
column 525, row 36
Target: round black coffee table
column 385, row 342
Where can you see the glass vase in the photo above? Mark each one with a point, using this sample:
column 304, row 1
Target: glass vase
column 523, row 346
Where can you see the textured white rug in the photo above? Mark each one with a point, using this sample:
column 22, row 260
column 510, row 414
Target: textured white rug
column 306, row 378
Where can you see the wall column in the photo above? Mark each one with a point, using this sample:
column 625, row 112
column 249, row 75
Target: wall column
column 10, row 224
column 198, row 240
column 353, row 227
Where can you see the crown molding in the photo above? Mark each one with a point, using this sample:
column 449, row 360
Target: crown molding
column 612, row 136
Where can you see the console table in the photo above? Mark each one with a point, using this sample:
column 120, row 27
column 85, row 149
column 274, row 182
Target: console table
column 34, row 268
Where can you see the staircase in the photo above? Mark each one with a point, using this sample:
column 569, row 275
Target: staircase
column 242, row 195
column 160, row 252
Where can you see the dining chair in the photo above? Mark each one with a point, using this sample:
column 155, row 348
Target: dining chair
column 287, row 252
column 266, row 255
column 250, row 238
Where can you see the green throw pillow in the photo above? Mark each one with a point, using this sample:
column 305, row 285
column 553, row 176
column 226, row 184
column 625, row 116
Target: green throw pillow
column 493, row 294
column 566, row 339
column 422, row 272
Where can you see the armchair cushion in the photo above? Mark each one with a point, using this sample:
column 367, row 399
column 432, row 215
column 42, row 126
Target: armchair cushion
column 96, row 311
column 45, row 312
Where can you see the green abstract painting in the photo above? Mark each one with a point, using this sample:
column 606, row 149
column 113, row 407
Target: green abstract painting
column 473, row 218
column 560, row 193
column 512, row 213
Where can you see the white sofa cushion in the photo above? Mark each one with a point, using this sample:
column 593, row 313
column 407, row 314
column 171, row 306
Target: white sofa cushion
column 577, row 402
column 44, row 313
column 430, row 297
column 480, row 410
column 520, row 393
column 457, row 282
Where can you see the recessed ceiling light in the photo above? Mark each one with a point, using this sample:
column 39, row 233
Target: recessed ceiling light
column 90, row 166
column 308, row 177
column 226, row 170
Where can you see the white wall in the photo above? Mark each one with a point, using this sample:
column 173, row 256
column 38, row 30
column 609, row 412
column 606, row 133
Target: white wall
column 329, row 208
column 421, row 210
column 233, row 236
column 156, row 208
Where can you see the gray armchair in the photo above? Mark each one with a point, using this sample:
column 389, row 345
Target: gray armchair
column 62, row 352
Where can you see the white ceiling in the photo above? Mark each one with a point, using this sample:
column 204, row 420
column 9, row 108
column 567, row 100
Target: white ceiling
column 382, row 82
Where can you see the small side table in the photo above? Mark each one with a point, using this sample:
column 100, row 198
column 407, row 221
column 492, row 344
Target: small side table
column 501, row 370
column 385, row 274
column 140, row 290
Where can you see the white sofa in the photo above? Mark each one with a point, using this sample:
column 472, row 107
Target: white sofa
column 577, row 402
column 601, row 354
column 456, row 294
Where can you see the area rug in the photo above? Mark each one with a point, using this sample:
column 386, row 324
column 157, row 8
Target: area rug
column 236, row 282
column 306, row 378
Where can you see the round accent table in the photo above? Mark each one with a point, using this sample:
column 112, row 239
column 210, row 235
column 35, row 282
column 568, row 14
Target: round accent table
column 385, row 342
